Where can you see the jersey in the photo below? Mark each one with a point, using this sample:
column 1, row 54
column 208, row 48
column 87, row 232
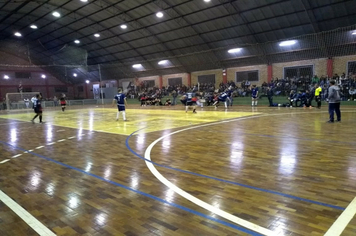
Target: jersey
column 37, row 106
column 223, row 96
column 318, row 91
column 120, row 100
column 254, row 92
column 190, row 96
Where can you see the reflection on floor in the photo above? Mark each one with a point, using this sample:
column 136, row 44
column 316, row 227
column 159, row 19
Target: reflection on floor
column 104, row 119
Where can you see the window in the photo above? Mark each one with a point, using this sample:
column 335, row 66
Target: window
column 298, row 71
column 206, row 79
column 80, row 88
column 22, row 75
column 148, row 83
column 61, row 89
column 252, row 75
column 351, row 67
column 175, row 81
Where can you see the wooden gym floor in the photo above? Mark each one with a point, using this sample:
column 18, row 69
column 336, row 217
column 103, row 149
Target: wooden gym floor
column 244, row 171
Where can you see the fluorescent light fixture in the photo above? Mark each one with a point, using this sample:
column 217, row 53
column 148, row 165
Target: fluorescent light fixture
column 87, row 81
column 84, row 0
column 18, row 34
column 43, row 76
column 234, row 50
column 97, row 35
column 56, row 14
column 123, row 26
column 75, row 74
column 76, row 41
column 33, row 26
column 159, row 14
column 206, row 0
column 6, row 77
column 137, row 66
column 287, row 43
column 354, row 33
column 162, row 62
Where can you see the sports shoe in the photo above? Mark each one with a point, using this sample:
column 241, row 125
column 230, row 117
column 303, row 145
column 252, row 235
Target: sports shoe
column 330, row 121
column 338, row 121
column 32, row 121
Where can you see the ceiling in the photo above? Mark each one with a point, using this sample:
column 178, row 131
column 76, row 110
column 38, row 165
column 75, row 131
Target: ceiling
column 192, row 35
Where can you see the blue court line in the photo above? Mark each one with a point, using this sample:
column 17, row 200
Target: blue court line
column 230, row 182
column 140, row 192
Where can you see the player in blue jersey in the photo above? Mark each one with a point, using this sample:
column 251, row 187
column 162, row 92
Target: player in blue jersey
column 254, row 95
column 223, row 97
column 120, row 100
column 190, row 100
column 37, row 107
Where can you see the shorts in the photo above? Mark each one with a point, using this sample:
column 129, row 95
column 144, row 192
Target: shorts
column 190, row 103
column 121, row 108
column 254, row 97
column 63, row 104
column 38, row 110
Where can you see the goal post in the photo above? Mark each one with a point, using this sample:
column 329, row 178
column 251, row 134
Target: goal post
column 15, row 101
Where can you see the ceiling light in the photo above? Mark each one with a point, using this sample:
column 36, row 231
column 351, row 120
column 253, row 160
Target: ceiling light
column 56, row 14
column 159, row 14
column 6, row 77
column 76, row 41
column 162, row 62
column 84, row 0
column 234, row 50
column 354, row 33
column 97, row 35
column 87, row 81
column 206, row 0
column 18, row 34
column 74, row 74
column 287, row 43
column 123, row 26
column 137, row 66
column 33, row 26
column 43, row 76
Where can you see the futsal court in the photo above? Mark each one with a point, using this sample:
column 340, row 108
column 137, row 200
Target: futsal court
column 241, row 171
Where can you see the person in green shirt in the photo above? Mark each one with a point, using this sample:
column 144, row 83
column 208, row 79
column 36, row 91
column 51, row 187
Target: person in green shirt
column 315, row 80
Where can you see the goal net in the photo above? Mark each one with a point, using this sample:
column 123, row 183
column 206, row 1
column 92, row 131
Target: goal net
column 15, row 101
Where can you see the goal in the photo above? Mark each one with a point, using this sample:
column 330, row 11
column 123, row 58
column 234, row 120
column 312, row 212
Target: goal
column 15, row 101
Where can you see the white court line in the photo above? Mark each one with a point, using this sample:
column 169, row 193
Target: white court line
column 51, row 143
column 16, row 155
column 71, row 137
column 39, row 147
column 6, row 160
column 25, row 216
column 195, row 200
column 343, row 220
column 61, row 140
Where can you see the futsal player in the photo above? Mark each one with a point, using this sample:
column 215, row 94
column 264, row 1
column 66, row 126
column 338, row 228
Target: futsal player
column 190, row 101
column 120, row 100
column 37, row 108
column 254, row 95
column 63, row 102
column 223, row 97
